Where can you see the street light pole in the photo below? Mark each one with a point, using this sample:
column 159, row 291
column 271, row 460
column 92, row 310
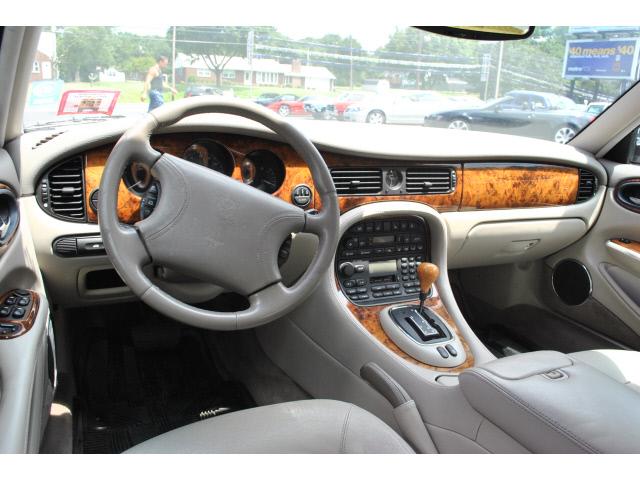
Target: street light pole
column 173, row 62
column 499, row 69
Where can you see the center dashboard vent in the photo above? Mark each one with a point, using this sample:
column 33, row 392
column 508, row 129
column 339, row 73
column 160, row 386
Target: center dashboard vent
column 431, row 180
column 587, row 186
column 357, row 181
column 61, row 190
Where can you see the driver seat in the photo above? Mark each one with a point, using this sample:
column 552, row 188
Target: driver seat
column 306, row 426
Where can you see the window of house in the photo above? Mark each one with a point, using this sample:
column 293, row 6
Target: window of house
column 203, row 73
column 36, row 67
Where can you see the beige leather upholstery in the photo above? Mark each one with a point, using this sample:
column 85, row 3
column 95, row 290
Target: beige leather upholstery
column 307, row 426
column 621, row 365
column 554, row 403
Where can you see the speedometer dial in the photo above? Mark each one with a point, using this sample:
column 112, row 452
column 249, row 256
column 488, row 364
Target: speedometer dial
column 210, row 154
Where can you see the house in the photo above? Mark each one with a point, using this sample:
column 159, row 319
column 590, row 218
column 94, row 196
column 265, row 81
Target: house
column 111, row 75
column 43, row 63
column 261, row 72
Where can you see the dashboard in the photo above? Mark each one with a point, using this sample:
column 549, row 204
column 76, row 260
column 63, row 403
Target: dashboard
column 69, row 190
column 499, row 207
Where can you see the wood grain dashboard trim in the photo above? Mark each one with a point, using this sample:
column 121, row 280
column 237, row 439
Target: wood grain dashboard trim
column 518, row 185
column 296, row 170
column 480, row 186
column 369, row 318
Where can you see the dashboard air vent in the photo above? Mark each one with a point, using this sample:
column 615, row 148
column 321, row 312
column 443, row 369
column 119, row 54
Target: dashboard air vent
column 587, row 186
column 66, row 190
column 430, row 180
column 357, row 182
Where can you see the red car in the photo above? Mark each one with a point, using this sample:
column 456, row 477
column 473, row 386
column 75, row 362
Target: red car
column 287, row 105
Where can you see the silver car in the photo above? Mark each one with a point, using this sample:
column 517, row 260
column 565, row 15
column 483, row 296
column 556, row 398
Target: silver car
column 403, row 109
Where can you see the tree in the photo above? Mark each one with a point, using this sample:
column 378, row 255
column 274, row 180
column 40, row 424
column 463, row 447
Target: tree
column 134, row 54
column 216, row 46
column 81, row 50
column 342, row 68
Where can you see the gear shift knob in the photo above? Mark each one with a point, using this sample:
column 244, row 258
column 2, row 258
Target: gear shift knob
column 427, row 274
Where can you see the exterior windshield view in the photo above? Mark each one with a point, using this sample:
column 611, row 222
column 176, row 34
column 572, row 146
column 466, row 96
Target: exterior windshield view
column 281, row 239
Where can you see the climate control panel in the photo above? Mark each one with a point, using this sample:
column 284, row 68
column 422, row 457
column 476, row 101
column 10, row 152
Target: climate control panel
column 377, row 260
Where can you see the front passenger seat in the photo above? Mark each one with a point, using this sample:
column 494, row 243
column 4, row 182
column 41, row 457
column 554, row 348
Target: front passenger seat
column 306, row 426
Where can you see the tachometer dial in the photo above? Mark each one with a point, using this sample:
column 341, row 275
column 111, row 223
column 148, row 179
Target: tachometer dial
column 137, row 178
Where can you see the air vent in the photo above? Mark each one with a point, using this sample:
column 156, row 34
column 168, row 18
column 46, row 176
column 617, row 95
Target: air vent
column 431, row 180
column 357, row 182
column 65, row 192
column 587, row 186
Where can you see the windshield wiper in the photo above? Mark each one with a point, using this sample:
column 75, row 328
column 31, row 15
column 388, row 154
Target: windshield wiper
column 51, row 124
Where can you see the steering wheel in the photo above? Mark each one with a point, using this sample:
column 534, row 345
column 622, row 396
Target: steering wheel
column 212, row 227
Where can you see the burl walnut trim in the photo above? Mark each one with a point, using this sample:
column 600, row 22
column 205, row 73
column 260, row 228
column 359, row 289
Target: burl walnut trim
column 296, row 170
column 500, row 185
column 128, row 203
column 369, row 318
column 25, row 323
column 633, row 245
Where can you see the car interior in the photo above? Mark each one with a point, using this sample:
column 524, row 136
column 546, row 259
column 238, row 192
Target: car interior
column 211, row 277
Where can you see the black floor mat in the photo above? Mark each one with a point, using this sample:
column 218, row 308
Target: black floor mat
column 138, row 379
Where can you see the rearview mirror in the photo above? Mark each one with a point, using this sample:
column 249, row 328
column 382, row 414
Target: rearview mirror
column 483, row 33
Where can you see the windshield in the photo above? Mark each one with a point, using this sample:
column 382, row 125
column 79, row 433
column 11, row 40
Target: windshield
column 549, row 86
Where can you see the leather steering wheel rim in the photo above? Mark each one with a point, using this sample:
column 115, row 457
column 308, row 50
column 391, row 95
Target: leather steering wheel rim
column 198, row 216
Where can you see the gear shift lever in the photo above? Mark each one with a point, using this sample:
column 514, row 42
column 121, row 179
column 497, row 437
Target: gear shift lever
column 427, row 274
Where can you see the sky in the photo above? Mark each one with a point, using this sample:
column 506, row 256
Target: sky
column 369, row 37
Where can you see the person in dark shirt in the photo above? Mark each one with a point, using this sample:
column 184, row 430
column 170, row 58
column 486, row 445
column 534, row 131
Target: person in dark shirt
column 154, row 85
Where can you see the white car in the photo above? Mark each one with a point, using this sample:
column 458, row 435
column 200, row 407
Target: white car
column 404, row 109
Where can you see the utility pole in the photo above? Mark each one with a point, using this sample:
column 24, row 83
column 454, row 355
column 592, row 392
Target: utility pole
column 173, row 63
column 418, row 82
column 499, row 69
column 251, row 39
column 350, row 62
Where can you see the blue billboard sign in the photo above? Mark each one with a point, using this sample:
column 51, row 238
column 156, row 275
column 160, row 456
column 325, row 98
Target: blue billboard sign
column 615, row 59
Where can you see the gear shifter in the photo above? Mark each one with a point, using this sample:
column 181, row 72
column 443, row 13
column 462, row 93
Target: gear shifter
column 427, row 274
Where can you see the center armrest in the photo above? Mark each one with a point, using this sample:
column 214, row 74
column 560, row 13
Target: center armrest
column 551, row 403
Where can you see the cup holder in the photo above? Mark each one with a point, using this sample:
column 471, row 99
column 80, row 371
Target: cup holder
column 9, row 215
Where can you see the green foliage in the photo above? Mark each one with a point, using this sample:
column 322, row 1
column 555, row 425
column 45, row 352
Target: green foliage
column 82, row 49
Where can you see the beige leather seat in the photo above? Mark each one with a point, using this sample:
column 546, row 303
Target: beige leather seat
column 307, row 426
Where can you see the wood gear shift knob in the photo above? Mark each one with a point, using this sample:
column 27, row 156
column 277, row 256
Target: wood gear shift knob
column 427, row 274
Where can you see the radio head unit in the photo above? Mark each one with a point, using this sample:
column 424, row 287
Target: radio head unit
column 377, row 260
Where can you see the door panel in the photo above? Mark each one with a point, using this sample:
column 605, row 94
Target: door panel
column 26, row 379
column 610, row 252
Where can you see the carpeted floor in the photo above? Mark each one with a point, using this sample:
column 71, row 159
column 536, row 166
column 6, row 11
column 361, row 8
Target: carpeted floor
column 136, row 380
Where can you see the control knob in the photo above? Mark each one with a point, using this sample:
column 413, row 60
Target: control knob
column 347, row 269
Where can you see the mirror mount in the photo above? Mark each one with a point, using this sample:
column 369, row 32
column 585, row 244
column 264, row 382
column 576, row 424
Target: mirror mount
column 482, row 33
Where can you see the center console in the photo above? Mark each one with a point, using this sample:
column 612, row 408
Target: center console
column 382, row 266
column 377, row 260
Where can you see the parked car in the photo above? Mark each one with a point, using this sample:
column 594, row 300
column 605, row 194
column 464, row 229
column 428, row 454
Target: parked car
column 287, row 105
column 268, row 99
column 347, row 99
column 321, row 108
column 531, row 114
column 405, row 109
column 199, row 90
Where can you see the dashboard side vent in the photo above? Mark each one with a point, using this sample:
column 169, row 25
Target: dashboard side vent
column 587, row 185
column 63, row 191
column 357, row 181
column 431, row 180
